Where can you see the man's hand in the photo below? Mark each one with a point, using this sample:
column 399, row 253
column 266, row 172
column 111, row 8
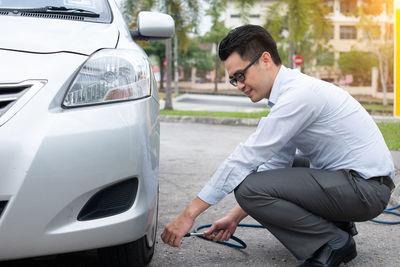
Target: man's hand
column 224, row 228
column 175, row 230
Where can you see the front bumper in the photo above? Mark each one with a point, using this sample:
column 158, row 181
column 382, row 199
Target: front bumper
column 53, row 160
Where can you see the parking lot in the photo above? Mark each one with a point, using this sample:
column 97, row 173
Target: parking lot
column 190, row 153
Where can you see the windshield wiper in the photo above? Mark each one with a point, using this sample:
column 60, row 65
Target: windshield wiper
column 55, row 10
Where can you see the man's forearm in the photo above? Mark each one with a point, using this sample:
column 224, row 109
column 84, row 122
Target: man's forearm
column 195, row 208
column 237, row 213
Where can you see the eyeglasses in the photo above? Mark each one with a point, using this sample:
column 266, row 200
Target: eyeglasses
column 239, row 76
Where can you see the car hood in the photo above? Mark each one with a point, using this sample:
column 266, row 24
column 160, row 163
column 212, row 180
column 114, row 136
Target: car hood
column 39, row 35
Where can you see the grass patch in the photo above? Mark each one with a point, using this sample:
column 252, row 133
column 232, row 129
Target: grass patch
column 241, row 115
column 391, row 133
column 378, row 107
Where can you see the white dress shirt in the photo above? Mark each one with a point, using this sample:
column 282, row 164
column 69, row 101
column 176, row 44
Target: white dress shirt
column 322, row 121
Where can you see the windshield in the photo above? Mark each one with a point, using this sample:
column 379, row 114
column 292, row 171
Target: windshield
column 68, row 6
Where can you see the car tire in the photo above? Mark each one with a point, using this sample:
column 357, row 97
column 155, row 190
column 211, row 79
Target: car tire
column 134, row 254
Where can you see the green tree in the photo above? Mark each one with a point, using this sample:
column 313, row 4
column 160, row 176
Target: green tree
column 359, row 64
column 303, row 24
column 325, row 57
column 131, row 8
column 157, row 49
column 217, row 32
column 194, row 56
column 244, row 7
column 186, row 16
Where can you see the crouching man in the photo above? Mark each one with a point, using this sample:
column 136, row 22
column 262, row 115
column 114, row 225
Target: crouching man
column 309, row 210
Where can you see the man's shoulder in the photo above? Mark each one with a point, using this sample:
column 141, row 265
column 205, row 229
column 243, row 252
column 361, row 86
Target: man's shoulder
column 298, row 85
column 303, row 89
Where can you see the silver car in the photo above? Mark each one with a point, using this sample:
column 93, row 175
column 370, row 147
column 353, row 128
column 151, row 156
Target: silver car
column 79, row 130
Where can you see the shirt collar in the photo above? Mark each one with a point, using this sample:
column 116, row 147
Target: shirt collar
column 275, row 91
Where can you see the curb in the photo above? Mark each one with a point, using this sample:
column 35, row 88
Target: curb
column 210, row 120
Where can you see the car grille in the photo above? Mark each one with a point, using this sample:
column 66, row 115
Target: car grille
column 14, row 95
column 110, row 201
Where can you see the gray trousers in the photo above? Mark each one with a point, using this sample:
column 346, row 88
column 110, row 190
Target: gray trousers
column 299, row 205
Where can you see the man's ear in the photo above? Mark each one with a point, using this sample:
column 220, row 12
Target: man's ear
column 267, row 59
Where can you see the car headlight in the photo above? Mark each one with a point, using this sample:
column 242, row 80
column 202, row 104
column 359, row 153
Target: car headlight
column 110, row 75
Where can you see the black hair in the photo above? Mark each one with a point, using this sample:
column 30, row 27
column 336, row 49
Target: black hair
column 249, row 41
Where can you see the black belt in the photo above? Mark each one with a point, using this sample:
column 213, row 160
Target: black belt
column 386, row 180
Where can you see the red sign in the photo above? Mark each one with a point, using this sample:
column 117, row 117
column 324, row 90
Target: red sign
column 298, row 60
column 164, row 62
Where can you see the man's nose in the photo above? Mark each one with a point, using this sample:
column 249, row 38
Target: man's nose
column 240, row 86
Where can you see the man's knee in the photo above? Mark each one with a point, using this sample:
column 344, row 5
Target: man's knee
column 240, row 192
column 256, row 189
column 244, row 193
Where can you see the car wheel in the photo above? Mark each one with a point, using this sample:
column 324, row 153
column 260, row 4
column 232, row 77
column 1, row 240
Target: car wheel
column 136, row 253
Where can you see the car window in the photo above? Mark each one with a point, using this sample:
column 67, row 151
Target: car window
column 98, row 7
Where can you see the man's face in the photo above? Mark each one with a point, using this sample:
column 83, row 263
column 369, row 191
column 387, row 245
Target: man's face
column 258, row 79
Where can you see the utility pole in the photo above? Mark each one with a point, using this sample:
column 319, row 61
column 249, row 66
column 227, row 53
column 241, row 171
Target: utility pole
column 396, row 105
column 168, row 89
column 176, row 64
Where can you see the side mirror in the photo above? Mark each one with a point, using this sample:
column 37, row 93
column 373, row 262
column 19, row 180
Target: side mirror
column 153, row 26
